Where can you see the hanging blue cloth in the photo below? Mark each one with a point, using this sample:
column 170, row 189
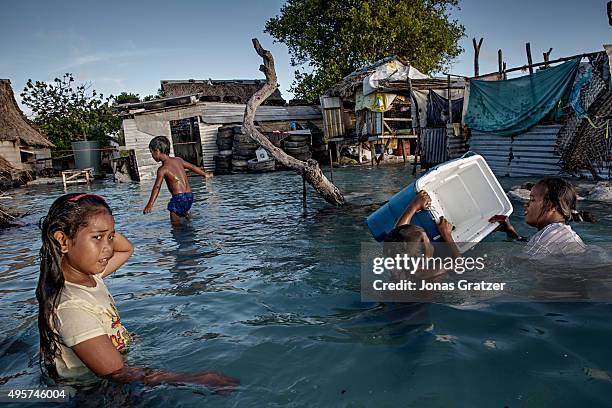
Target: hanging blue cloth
column 583, row 77
column 512, row 106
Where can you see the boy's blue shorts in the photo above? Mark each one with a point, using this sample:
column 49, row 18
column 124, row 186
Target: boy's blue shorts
column 180, row 204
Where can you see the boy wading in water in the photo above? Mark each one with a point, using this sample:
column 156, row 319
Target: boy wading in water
column 173, row 171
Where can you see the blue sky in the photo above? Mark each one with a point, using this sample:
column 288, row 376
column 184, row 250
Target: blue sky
column 132, row 45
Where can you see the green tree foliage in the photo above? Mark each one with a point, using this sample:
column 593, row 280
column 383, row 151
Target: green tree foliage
column 125, row 97
column 67, row 112
column 329, row 39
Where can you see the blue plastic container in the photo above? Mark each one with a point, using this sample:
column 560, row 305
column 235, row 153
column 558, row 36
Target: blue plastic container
column 383, row 220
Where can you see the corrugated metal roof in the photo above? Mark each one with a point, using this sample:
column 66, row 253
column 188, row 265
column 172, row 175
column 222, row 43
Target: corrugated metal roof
column 224, row 113
column 529, row 154
column 221, row 113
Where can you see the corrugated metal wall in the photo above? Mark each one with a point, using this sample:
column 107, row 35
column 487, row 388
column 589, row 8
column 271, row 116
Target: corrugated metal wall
column 529, row 154
column 433, row 144
column 208, row 136
column 139, row 142
column 456, row 145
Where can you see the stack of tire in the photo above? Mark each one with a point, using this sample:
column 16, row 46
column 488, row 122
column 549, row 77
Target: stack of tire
column 225, row 142
column 320, row 148
column 298, row 146
column 243, row 150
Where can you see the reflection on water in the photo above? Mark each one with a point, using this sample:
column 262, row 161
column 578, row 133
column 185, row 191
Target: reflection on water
column 266, row 292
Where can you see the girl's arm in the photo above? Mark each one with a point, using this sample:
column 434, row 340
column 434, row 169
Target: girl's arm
column 420, row 202
column 123, row 249
column 101, row 357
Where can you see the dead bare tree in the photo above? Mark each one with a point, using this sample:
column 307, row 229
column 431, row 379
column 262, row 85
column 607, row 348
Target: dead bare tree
column 309, row 170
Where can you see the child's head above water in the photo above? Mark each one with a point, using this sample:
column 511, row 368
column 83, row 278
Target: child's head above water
column 159, row 144
column 552, row 199
column 408, row 239
column 71, row 241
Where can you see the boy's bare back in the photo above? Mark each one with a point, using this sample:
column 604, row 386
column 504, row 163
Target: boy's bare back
column 173, row 171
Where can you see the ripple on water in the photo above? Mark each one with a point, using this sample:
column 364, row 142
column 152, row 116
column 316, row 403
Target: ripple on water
column 264, row 291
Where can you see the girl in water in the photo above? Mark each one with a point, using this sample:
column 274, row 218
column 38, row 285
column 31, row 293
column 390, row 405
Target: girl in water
column 80, row 328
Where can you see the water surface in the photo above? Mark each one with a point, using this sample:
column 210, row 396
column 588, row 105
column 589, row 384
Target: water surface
column 261, row 290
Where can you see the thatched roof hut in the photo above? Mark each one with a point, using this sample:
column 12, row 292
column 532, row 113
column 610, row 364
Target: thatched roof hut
column 213, row 90
column 14, row 126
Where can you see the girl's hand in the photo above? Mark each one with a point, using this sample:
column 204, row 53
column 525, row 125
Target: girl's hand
column 221, row 382
column 122, row 250
column 446, row 229
column 421, row 201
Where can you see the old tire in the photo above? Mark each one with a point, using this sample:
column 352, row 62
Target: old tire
column 297, row 150
column 299, row 138
column 303, row 157
column 293, row 145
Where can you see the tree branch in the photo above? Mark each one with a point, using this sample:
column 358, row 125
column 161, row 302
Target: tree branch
column 310, row 169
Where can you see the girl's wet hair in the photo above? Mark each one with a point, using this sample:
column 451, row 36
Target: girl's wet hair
column 561, row 196
column 68, row 214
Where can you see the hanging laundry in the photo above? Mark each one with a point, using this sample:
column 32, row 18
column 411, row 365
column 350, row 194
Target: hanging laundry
column 437, row 110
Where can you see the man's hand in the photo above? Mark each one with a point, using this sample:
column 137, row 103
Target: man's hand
column 147, row 209
column 421, row 201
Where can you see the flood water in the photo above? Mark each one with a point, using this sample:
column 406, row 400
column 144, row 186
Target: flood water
column 261, row 290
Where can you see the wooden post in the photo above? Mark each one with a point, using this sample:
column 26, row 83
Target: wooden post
column 529, row 60
column 450, row 102
column 476, row 54
column 450, row 115
column 499, row 61
column 303, row 191
column 417, row 152
column 547, row 57
column 415, row 129
column 331, row 164
column 372, row 151
column 403, row 149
